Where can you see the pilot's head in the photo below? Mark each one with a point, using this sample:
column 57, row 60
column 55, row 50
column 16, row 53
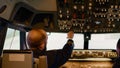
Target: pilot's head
column 37, row 38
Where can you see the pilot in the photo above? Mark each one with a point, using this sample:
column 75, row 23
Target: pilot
column 117, row 60
column 37, row 41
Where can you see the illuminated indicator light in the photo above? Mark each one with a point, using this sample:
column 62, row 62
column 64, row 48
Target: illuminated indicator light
column 90, row 4
column 75, row 7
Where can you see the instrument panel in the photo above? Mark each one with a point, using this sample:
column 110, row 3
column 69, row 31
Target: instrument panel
column 82, row 54
column 81, row 16
column 93, row 16
column 91, row 59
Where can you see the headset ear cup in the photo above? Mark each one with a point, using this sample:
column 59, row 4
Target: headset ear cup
column 2, row 9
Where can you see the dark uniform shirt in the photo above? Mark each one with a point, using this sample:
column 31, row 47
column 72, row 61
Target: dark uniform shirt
column 116, row 63
column 56, row 58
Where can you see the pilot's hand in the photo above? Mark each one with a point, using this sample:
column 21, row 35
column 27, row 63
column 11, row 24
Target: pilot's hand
column 70, row 35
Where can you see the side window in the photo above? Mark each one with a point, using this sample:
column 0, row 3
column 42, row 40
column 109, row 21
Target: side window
column 12, row 40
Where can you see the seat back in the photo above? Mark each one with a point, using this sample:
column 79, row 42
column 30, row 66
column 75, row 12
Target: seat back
column 17, row 59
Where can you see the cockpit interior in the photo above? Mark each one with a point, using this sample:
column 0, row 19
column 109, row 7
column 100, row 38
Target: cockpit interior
column 96, row 24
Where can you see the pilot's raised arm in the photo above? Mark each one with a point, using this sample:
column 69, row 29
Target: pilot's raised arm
column 37, row 40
